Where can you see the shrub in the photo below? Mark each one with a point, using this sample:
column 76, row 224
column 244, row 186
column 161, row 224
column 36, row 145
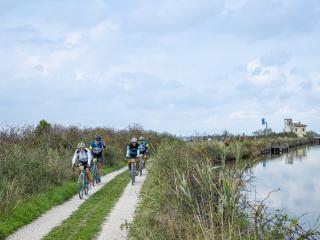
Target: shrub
column 34, row 159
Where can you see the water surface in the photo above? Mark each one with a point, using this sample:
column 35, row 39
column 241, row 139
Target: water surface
column 297, row 175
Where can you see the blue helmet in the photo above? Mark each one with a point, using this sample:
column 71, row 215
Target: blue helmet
column 97, row 138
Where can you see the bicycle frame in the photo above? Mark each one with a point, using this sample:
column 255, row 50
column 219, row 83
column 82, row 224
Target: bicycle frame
column 133, row 170
column 82, row 182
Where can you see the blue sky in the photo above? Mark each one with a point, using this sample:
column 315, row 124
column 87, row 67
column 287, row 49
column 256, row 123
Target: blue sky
column 170, row 65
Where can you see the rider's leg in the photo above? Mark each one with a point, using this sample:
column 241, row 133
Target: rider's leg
column 99, row 168
column 129, row 165
column 99, row 165
column 88, row 175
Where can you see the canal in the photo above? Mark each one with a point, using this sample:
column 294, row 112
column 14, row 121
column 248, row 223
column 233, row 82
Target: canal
column 297, row 176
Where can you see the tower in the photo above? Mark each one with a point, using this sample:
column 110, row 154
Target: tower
column 287, row 124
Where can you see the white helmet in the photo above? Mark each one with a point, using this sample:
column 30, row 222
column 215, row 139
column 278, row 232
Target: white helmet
column 81, row 145
column 141, row 138
column 134, row 140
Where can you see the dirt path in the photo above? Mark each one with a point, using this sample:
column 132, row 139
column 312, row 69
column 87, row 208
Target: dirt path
column 54, row 217
column 122, row 211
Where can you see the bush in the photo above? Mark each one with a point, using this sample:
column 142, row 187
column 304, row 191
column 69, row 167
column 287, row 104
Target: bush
column 34, row 159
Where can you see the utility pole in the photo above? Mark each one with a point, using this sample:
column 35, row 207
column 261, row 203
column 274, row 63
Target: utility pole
column 264, row 122
column 266, row 128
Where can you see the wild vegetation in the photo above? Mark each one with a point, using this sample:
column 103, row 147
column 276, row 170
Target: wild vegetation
column 37, row 160
column 197, row 190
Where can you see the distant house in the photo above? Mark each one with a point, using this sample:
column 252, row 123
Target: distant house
column 297, row 128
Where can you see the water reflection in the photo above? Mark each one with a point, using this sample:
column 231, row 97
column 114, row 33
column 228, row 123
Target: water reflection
column 296, row 154
column 297, row 174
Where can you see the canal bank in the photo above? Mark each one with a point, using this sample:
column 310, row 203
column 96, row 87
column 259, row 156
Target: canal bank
column 193, row 191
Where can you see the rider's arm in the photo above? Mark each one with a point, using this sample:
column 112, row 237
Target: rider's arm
column 128, row 152
column 138, row 152
column 90, row 147
column 74, row 158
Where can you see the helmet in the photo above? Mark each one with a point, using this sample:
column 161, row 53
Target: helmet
column 81, row 145
column 134, row 140
column 141, row 138
column 97, row 138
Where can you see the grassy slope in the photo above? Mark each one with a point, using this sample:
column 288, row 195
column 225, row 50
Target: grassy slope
column 36, row 205
column 86, row 222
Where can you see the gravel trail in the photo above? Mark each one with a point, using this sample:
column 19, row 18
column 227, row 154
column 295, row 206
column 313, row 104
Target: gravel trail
column 122, row 211
column 55, row 216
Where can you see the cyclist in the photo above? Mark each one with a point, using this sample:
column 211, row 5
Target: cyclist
column 143, row 146
column 133, row 151
column 82, row 157
column 96, row 148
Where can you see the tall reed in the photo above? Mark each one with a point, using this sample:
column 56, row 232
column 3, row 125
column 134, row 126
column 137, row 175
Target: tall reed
column 197, row 190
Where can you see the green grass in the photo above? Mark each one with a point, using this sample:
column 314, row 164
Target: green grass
column 33, row 207
column 106, row 170
column 86, row 222
column 30, row 209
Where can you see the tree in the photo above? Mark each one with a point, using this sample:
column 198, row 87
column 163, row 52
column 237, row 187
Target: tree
column 43, row 124
column 262, row 132
column 43, row 127
column 311, row 134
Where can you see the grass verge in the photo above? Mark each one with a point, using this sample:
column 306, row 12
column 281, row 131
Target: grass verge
column 86, row 222
column 25, row 212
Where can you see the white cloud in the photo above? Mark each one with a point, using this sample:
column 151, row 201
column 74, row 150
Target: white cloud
column 245, row 114
column 261, row 75
column 180, row 56
column 232, row 5
column 103, row 30
column 73, row 38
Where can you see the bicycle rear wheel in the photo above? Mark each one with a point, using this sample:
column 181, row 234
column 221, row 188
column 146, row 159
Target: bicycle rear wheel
column 80, row 186
column 85, row 184
column 141, row 166
column 86, row 189
column 94, row 175
column 133, row 173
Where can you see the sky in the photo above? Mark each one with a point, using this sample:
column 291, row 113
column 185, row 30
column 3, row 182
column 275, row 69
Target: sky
column 184, row 67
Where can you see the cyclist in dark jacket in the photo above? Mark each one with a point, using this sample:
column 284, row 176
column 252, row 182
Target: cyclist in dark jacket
column 96, row 148
column 133, row 151
column 143, row 146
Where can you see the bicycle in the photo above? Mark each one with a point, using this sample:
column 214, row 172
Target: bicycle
column 141, row 164
column 94, row 171
column 82, row 182
column 133, row 170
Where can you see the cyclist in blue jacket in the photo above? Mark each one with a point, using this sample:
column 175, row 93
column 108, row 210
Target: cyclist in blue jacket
column 96, row 148
column 144, row 150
